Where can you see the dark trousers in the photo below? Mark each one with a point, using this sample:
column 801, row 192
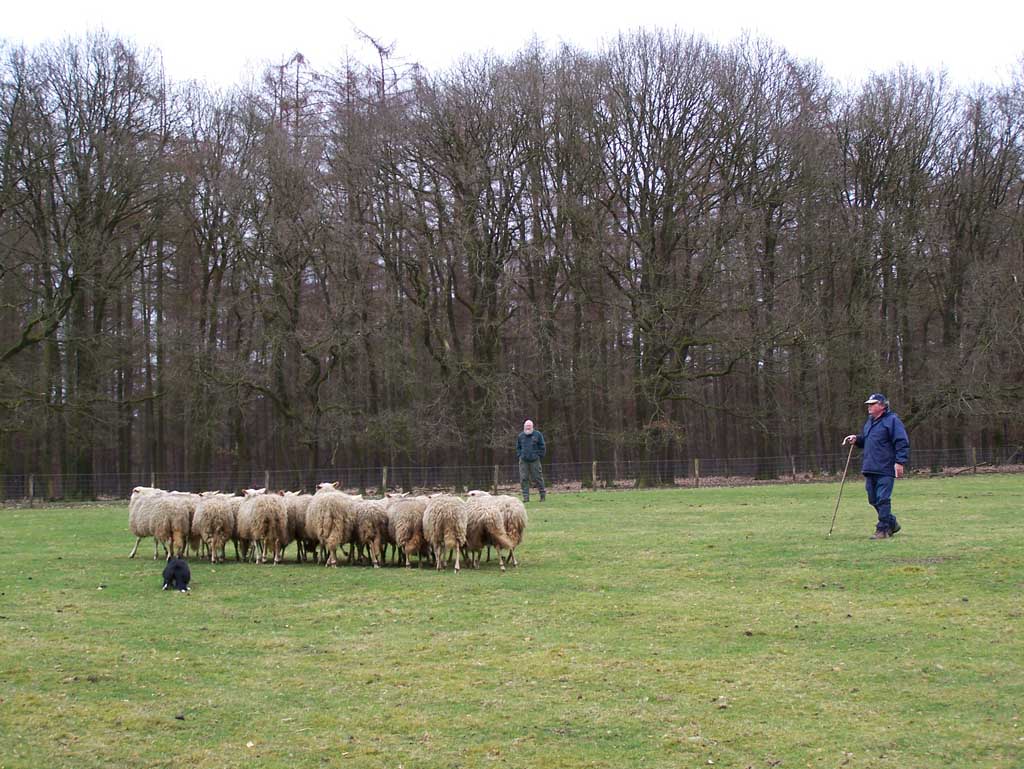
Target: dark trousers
column 530, row 472
column 879, row 489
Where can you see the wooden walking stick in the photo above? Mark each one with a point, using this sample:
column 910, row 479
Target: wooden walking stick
column 841, row 483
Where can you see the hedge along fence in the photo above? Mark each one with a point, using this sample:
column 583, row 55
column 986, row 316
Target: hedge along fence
column 565, row 476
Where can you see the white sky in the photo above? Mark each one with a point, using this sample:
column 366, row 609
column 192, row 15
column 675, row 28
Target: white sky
column 224, row 42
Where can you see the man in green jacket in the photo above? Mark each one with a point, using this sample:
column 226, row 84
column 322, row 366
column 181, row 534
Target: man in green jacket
column 530, row 449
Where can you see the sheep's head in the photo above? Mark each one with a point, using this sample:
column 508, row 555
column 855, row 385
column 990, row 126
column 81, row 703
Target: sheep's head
column 478, row 493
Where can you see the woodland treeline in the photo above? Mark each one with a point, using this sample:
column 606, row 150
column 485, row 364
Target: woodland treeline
column 665, row 248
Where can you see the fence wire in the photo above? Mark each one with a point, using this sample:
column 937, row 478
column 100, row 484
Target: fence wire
column 565, row 476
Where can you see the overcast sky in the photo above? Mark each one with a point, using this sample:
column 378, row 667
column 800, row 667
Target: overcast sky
column 223, row 43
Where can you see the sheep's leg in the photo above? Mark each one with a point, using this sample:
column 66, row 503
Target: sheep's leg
column 375, row 553
column 488, row 554
column 512, row 556
column 136, row 548
column 456, row 551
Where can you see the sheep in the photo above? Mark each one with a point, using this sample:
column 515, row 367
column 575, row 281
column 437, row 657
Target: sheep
column 236, row 506
column 389, row 531
column 297, row 505
column 243, row 523
column 370, row 529
column 140, row 521
column 214, row 522
column 171, row 519
column 444, row 527
column 405, row 527
column 485, row 525
column 331, row 518
column 264, row 518
column 193, row 541
column 515, row 518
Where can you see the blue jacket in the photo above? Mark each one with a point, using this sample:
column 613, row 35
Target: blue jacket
column 885, row 443
column 530, row 447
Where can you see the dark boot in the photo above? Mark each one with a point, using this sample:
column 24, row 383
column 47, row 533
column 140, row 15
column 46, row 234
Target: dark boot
column 895, row 530
column 881, row 534
column 542, row 495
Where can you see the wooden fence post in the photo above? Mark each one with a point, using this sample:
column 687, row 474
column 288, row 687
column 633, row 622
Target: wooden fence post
column 696, row 472
column 31, row 489
column 974, row 460
column 593, row 472
column 494, row 483
column 384, row 480
column 266, row 480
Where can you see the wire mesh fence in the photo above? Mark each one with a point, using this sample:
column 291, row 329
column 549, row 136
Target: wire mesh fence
column 563, row 476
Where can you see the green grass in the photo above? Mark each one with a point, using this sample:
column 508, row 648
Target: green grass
column 667, row 628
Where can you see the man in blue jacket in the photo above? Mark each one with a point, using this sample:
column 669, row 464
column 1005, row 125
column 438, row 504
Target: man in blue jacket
column 530, row 449
column 886, row 450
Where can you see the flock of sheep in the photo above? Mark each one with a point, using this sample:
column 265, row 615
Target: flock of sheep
column 261, row 525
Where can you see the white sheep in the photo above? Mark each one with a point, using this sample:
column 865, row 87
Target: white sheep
column 214, row 522
column 140, row 519
column 370, row 529
column 485, row 526
column 331, row 517
column 192, row 540
column 444, row 527
column 297, row 505
column 171, row 514
column 405, row 528
column 264, row 518
column 515, row 519
column 244, row 536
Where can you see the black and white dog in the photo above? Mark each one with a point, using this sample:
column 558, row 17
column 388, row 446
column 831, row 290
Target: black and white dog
column 177, row 575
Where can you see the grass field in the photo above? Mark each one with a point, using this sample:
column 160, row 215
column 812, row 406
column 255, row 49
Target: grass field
column 667, row 628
